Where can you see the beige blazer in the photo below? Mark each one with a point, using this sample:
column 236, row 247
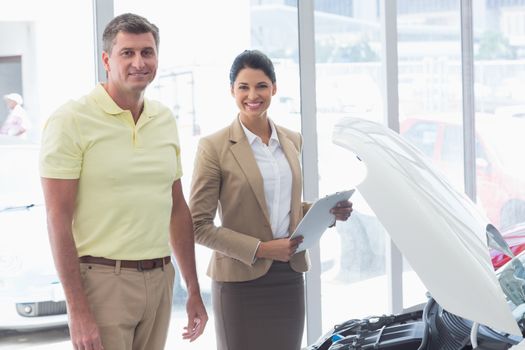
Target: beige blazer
column 226, row 178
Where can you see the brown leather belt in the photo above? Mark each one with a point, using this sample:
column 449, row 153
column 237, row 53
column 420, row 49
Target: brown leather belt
column 140, row 265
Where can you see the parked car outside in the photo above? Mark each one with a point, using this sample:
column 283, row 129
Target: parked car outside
column 445, row 237
column 499, row 168
column 31, row 296
column 515, row 238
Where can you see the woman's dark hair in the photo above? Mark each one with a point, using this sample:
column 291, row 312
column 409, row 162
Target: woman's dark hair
column 254, row 59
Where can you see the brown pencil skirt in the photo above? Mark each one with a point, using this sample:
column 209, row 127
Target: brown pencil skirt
column 266, row 313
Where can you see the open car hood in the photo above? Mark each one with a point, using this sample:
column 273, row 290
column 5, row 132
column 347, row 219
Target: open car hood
column 439, row 230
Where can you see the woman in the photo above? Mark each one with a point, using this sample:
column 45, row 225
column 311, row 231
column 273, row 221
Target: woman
column 250, row 172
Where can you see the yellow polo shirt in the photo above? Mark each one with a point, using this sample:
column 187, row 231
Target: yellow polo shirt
column 125, row 173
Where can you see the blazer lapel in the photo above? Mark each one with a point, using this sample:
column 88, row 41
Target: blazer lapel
column 242, row 152
column 292, row 155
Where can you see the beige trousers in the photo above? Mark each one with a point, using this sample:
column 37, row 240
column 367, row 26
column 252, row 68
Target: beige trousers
column 132, row 308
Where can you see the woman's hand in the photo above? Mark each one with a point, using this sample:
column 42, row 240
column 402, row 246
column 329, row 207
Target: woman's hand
column 342, row 210
column 278, row 249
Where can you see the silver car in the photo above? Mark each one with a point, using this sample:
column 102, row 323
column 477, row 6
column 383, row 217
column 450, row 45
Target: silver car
column 31, row 296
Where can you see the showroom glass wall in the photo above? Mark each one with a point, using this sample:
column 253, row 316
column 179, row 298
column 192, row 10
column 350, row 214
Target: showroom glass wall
column 432, row 102
column 432, row 107
column 348, row 83
column 45, row 58
column 55, row 57
column 430, row 94
column 499, row 62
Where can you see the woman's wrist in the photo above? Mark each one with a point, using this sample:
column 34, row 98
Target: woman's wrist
column 259, row 253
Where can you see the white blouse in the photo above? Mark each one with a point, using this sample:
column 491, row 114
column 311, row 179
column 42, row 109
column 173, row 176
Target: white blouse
column 277, row 178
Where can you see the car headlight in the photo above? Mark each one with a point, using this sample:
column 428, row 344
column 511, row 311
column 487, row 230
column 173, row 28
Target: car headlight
column 10, row 265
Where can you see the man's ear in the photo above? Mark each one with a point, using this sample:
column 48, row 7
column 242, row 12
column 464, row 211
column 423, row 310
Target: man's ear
column 231, row 90
column 105, row 60
column 274, row 89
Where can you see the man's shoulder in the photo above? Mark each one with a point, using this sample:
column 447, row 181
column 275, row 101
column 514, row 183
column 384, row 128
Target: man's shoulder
column 157, row 104
column 157, row 107
column 69, row 109
column 80, row 106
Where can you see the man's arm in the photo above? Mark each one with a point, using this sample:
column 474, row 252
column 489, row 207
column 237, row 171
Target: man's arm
column 60, row 198
column 183, row 245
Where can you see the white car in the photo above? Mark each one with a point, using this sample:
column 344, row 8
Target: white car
column 445, row 238
column 31, row 296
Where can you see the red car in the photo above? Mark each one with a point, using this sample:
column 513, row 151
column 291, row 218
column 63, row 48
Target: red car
column 500, row 168
column 515, row 238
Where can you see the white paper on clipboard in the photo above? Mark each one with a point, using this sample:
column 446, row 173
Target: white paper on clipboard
column 318, row 218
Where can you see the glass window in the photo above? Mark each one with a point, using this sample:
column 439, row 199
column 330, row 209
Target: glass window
column 452, row 149
column 45, row 59
column 499, row 51
column 348, row 71
column 197, row 47
column 429, row 50
column 423, row 135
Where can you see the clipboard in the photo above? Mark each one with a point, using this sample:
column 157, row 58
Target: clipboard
column 318, row 218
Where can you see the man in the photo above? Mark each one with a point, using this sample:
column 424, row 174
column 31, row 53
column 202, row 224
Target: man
column 111, row 169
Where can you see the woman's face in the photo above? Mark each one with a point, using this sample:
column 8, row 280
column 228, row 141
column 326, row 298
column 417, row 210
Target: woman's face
column 253, row 91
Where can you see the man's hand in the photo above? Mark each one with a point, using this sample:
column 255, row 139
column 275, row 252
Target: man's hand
column 197, row 317
column 183, row 244
column 279, row 249
column 84, row 332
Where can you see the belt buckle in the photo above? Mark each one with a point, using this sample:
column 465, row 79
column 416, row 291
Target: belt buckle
column 145, row 265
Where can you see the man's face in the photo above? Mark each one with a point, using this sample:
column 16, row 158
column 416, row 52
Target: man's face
column 133, row 62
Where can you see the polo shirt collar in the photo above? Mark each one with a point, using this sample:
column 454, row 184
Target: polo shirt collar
column 110, row 107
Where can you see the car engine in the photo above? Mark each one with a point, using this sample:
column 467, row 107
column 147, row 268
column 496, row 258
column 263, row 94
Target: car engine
column 432, row 328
